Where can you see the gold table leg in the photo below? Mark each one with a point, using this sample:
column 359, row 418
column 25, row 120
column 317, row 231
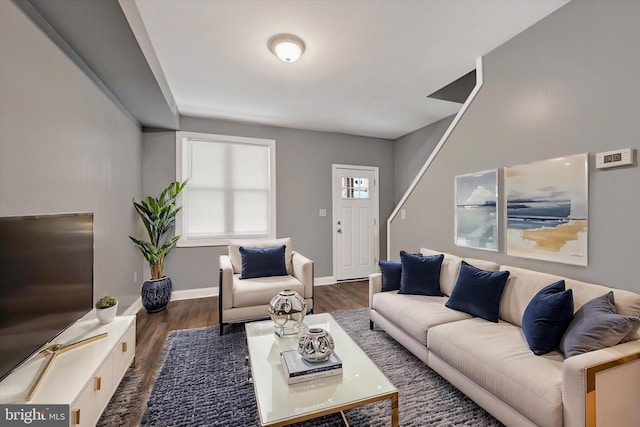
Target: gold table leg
column 394, row 410
column 344, row 419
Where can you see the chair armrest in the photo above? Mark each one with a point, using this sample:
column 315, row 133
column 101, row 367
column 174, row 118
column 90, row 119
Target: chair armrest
column 578, row 379
column 375, row 286
column 226, row 282
column 303, row 271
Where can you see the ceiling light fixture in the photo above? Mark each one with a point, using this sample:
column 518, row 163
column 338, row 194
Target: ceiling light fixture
column 287, row 47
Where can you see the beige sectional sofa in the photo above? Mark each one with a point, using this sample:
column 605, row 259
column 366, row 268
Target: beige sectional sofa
column 491, row 362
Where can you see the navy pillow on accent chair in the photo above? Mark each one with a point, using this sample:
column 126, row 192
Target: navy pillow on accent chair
column 420, row 274
column 478, row 292
column 547, row 317
column 263, row 262
column 391, row 275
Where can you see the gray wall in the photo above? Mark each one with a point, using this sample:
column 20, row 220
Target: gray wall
column 303, row 180
column 411, row 151
column 567, row 85
column 65, row 147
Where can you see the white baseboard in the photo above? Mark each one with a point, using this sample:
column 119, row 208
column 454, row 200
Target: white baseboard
column 210, row 292
column 194, row 293
column 175, row 296
column 328, row 280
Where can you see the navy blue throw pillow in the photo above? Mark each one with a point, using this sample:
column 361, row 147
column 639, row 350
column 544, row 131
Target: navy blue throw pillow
column 391, row 275
column 478, row 292
column 420, row 274
column 547, row 317
column 262, row 262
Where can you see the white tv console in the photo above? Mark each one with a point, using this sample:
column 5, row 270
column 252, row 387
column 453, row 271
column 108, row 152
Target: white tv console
column 84, row 378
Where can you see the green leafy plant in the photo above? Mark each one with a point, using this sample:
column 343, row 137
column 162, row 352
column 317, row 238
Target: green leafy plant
column 158, row 216
column 106, row 302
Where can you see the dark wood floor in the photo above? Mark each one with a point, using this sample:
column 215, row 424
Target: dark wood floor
column 153, row 328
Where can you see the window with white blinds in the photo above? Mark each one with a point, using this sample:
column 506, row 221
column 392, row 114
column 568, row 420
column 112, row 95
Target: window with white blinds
column 231, row 189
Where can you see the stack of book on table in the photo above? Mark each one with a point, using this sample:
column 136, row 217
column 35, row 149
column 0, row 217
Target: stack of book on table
column 297, row 370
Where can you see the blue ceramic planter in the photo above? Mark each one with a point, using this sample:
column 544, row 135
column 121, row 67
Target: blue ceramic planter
column 156, row 294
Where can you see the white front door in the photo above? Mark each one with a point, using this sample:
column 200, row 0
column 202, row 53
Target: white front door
column 355, row 221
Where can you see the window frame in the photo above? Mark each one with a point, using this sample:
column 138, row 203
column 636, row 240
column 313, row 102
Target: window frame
column 182, row 168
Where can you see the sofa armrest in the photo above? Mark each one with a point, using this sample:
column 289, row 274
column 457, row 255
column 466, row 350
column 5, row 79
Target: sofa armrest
column 375, row 286
column 226, row 282
column 303, row 271
column 578, row 381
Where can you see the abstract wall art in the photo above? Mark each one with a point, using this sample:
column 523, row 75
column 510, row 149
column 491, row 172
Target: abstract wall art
column 546, row 209
column 476, row 216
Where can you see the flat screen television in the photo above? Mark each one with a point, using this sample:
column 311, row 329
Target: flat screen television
column 46, row 281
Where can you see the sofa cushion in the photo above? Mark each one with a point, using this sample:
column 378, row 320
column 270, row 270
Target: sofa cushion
column 263, row 262
column 478, row 292
column 451, row 268
column 497, row 357
column 448, row 275
column 420, row 274
column 259, row 291
column 415, row 314
column 524, row 284
column 391, row 275
column 596, row 325
column 547, row 316
column 236, row 258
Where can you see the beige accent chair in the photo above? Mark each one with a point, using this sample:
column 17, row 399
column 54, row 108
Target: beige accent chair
column 248, row 299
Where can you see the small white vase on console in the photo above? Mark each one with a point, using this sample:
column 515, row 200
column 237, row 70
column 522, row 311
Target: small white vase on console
column 106, row 315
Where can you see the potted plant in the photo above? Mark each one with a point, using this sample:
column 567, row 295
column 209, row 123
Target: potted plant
column 106, row 308
column 158, row 216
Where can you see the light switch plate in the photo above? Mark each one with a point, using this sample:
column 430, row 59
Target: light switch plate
column 615, row 158
column 322, row 212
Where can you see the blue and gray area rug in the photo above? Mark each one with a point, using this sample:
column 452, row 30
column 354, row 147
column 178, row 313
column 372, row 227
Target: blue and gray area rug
column 203, row 382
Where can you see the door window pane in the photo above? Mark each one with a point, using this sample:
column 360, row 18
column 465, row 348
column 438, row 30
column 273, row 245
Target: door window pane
column 355, row 188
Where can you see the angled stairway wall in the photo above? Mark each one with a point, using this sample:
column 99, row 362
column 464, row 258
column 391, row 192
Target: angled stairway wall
column 567, row 85
column 411, row 151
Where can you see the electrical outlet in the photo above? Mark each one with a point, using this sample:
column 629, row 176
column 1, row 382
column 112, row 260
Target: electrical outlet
column 403, row 214
column 135, row 277
column 613, row 159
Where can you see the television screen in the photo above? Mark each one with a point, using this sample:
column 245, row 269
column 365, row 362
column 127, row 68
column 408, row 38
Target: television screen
column 46, row 281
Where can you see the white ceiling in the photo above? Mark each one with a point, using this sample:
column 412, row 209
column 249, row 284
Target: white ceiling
column 367, row 69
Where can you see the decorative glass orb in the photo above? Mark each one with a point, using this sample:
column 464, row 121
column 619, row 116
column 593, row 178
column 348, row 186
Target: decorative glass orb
column 287, row 310
column 315, row 345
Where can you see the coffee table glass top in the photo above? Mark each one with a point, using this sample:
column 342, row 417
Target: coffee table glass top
column 361, row 380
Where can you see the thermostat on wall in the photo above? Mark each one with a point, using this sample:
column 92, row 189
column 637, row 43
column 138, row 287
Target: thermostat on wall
column 615, row 158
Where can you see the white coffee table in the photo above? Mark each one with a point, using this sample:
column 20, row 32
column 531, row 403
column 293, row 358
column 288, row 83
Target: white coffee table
column 280, row 404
